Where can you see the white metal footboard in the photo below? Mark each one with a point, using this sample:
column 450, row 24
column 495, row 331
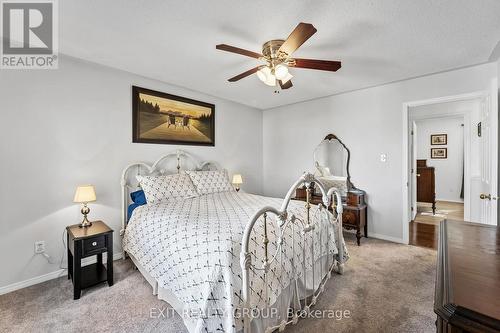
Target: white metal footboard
column 312, row 239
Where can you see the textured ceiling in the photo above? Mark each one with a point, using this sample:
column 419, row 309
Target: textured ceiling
column 378, row 41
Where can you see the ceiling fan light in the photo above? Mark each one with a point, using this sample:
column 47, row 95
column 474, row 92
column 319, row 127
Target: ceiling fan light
column 264, row 74
column 271, row 80
column 281, row 71
column 287, row 78
column 261, row 75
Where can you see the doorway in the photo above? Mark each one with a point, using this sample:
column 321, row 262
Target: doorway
column 471, row 197
column 438, row 161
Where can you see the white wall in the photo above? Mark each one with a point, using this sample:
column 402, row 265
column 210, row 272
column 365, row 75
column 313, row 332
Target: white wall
column 369, row 121
column 449, row 171
column 71, row 126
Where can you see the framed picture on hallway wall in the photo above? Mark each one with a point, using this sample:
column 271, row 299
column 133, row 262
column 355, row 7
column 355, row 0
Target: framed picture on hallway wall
column 162, row 118
column 439, row 153
column 439, row 139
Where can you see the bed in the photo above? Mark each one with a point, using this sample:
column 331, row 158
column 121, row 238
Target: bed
column 233, row 261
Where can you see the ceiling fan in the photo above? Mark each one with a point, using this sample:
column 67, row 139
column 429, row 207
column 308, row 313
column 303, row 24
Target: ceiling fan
column 277, row 55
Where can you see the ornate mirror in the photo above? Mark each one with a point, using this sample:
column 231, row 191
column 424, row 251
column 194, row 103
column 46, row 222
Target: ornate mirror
column 331, row 161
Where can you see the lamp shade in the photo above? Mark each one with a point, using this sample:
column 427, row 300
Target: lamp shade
column 237, row 179
column 84, row 194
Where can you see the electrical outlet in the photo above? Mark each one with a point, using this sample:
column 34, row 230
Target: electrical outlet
column 39, row 246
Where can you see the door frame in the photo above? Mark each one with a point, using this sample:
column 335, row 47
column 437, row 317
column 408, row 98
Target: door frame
column 406, row 172
column 413, row 165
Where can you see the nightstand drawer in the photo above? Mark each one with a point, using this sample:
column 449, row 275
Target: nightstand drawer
column 94, row 245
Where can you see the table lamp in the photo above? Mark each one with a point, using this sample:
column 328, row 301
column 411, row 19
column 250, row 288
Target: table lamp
column 85, row 194
column 237, row 181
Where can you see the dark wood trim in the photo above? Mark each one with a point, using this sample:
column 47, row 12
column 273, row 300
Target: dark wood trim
column 135, row 117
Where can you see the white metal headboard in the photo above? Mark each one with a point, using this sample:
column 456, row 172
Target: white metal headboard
column 182, row 161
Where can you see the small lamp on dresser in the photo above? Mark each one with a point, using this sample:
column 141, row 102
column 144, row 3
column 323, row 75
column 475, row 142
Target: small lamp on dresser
column 237, row 181
column 85, row 194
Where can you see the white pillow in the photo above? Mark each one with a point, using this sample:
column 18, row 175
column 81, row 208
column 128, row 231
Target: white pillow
column 167, row 188
column 211, row 181
column 323, row 170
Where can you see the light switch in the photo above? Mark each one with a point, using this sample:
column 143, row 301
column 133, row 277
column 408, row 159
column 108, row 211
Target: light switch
column 383, row 157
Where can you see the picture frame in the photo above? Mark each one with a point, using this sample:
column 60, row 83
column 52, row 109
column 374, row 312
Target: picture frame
column 439, row 153
column 162, row 118
column 439, row 139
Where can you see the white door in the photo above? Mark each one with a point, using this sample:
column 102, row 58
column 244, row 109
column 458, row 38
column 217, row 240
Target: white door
column 413, row 154
column 488, row 142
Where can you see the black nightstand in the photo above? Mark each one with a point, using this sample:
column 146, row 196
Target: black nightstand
column 86, row 242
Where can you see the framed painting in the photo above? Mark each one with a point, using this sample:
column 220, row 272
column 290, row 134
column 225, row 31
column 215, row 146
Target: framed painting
column 439, row 139
column 439, row 153
column 168, row 119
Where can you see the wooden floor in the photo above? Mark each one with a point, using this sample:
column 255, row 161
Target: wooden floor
column 444, row 210
column 425, row 235
column 424, row 230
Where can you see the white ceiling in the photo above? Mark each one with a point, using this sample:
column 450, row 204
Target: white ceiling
column 377, row 41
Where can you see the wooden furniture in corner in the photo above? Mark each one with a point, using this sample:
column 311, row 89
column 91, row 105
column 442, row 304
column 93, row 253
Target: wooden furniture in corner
column 355, row 211
column 467, row 295
column 86, row 242
column 426, row 191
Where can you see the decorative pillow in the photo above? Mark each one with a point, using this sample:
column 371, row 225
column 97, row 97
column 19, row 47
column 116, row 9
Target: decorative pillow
column 165, row 188
column 138, row 197
column 211, row 181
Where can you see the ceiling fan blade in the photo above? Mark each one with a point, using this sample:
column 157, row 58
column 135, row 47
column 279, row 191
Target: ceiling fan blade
column 244, row 74
column 229, row 48
column 286, row 85
column 301, row 33
column 322, row 65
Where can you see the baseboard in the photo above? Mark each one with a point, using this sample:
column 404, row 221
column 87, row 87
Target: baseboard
column 450, row 200
column 46, row 277
column 32, row 281
column 387, row 238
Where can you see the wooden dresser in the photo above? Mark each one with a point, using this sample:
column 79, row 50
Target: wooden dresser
column 426, row 188
column 467, row 295
column 355, row 211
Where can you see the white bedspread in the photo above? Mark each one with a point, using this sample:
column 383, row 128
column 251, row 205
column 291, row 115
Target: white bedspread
column 192, row 246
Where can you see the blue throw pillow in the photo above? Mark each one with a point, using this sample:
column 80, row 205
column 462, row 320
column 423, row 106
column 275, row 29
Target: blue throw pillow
column 138, row 197
column 130, row 210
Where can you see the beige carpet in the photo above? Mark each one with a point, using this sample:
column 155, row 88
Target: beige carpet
column 386, row 288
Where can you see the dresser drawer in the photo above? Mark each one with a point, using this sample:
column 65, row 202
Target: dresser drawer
column 94, row 245
column 349, row 217
column 355, row 198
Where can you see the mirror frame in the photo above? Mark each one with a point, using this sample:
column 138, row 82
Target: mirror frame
column 330, row 137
